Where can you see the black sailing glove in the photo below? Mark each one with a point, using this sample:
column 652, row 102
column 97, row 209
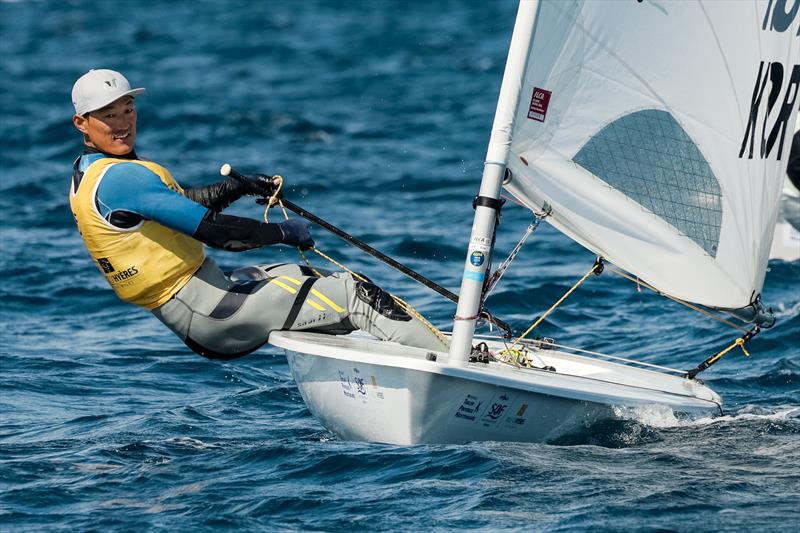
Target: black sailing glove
column 216, row 196
column 260, row 185
column 295, row 233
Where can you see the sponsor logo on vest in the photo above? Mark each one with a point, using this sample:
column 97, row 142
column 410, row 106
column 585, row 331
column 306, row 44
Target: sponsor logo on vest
column 123, row 274
column 106, row 265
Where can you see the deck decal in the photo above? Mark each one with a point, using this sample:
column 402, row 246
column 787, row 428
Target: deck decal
column 347, row 387
column 469, row 409
column 375, row 389
column 498, row 407
column 361, row 385
column 474, row 276
column 476, row 258
column 517, row 419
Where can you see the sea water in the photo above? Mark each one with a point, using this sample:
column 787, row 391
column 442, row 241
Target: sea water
column 377, row 113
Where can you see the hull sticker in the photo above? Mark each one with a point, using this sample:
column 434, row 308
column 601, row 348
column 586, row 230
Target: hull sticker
column 498, row 408
column 469, row 409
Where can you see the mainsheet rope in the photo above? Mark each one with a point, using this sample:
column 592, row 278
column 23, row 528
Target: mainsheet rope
column 639, row 282
column 516, row 353
column 407, row 307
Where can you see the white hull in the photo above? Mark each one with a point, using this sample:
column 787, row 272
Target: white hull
column 369, row 390
column 785, row 243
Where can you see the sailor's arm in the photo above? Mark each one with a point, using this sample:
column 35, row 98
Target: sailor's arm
column 130, row 191
column 220, row 195
column 216, row 196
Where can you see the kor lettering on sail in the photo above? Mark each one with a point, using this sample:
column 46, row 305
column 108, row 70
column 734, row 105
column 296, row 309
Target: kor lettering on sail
column 780, row 89
column 780, row 14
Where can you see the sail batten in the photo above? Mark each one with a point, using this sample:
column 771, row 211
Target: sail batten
column 654, row 130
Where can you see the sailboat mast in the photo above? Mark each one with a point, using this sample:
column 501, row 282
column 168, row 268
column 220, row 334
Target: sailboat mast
column 487, row 203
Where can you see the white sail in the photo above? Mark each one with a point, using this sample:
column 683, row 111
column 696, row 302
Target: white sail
column 658, row 132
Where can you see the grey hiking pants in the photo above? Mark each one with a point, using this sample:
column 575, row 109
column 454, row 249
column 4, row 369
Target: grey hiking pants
column 223, row 317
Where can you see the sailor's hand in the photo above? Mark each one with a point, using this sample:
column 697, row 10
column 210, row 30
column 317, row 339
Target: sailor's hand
column 295, row 233
column 261, row 185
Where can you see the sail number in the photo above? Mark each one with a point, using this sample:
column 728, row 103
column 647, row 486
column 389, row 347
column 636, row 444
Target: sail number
column 778, row 84
column 772, row 75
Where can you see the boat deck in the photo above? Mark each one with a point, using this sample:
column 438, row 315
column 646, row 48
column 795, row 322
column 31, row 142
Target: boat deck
column 575, row 376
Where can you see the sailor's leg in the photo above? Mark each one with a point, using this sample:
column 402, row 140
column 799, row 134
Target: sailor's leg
column 369, row 308
column 337, row 303
column 259, row 272
column 221, row 318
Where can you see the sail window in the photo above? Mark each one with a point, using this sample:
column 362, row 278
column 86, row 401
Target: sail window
column 647, row 156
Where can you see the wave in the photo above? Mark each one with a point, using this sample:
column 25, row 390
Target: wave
column 651, row 424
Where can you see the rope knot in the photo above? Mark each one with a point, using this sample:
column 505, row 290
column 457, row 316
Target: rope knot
column 275, row 199
column 740, row 344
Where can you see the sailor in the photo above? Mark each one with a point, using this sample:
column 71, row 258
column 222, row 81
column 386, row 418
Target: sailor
column 793, row 166
column 146, row 233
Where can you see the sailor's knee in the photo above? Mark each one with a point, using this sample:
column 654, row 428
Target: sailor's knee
column 251, row 273
column 381, row 301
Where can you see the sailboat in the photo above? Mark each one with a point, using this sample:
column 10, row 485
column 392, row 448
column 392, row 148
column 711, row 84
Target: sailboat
column 653, row 133
column 786, row 243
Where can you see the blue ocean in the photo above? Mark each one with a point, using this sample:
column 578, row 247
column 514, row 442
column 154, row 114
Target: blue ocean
column 377, row 114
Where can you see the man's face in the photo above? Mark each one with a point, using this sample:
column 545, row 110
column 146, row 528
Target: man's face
column 111, row 129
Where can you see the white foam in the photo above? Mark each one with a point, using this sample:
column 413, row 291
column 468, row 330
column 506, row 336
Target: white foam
column 660, row 416
column 191, row 443
column 784, row 312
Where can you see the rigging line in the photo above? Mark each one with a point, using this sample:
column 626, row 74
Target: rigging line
column 709, row 314
column 275, row 198
column 538, row 344
column 501, row 269
column 402, row 303
column 608, row 356
column 740, row 342
column 597, row 267
column 405, row 305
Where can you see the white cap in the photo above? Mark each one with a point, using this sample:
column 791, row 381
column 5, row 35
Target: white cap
column 98, row 88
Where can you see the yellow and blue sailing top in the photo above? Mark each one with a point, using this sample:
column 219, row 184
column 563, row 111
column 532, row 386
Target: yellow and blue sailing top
column 136, row 224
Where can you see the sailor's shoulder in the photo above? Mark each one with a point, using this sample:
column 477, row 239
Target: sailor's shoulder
column 85, row 160
column 131, row 174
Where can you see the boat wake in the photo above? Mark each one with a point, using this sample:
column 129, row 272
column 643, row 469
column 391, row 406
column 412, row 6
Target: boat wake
column 637, row 426
column 658, row 416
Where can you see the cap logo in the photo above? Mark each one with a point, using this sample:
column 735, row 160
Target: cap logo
column 99, row 88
